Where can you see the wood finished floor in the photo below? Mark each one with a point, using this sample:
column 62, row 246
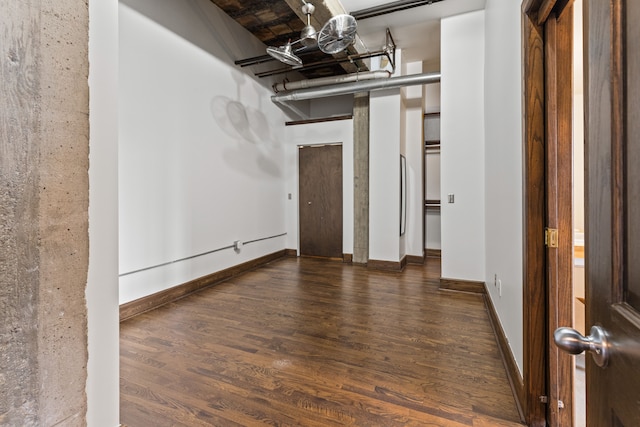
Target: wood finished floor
column 307, row 342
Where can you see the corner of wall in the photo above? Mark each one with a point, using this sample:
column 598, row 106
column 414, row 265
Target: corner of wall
column 463, row 146
column 503, row 169
column 103, row 386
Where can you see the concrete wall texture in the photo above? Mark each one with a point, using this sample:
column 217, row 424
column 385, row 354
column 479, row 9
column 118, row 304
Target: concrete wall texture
column 44, row 107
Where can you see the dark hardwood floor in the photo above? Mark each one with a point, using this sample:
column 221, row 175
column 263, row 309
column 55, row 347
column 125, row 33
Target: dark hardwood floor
column 316, row 343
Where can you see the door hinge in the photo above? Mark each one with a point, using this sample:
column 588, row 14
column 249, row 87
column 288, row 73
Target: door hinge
column 551, row 237
column 543, row 399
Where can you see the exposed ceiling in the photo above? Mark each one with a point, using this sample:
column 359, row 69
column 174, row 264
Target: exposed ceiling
column 415, row 30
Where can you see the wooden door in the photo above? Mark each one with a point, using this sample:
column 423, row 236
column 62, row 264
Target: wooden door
column 558, row 31
column 320, row 202
column 612, row 72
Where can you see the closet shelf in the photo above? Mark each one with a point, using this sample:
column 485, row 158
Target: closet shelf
column 432, row 204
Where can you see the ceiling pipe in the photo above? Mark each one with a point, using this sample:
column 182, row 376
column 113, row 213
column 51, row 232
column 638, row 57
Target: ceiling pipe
column 330, row 62
column 392, row 7
column 324, row 81
column 355, row 87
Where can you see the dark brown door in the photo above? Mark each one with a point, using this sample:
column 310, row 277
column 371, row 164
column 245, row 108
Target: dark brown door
column 612, row 49
column 320, row 208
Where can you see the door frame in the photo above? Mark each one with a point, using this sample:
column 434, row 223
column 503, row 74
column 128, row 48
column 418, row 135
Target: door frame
column 535, row 385
column 534, row 382
column 559, row 198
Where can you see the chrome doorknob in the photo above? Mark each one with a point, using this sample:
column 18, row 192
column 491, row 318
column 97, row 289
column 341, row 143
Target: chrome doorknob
column 572, row 341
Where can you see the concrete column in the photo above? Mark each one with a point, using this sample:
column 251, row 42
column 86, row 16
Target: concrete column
column 44, row 125
column 361, row 178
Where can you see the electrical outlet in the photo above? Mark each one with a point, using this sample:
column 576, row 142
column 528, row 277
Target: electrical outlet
column 495, row 280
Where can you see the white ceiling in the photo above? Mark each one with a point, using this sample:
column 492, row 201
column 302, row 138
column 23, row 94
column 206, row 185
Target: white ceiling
column 416, row 31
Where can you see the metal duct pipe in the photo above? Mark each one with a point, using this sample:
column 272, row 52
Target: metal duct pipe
column 325, row 81
column 355, row 87
column 392, row 7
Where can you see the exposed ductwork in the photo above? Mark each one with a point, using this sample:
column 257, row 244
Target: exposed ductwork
column 324, row 81
column 389, row 50
column 355, row 87
column 392, row 7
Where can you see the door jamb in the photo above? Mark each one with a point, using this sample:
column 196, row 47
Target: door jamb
column 535, row 310
column 534, row 254
column 559, row 191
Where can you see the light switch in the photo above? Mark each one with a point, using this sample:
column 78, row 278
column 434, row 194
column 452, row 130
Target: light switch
column 451, row 198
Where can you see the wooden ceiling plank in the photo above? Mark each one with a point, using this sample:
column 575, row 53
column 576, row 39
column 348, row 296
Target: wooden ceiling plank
column 276, row 22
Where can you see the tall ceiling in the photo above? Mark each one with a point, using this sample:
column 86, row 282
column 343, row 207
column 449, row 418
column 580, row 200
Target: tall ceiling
column 416, row 30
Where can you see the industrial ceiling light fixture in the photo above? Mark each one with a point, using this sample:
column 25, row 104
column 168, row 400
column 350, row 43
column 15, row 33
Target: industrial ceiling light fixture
column 336, row 35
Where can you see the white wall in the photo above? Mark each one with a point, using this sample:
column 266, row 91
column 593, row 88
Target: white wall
column 319, row 133
column 384, row 175
column 432, row 97
column 413, row 105
column 578, row 120
column 462, row 151
column 329, row 107
column 103, row 385
column 200, row 147
column 503, row 160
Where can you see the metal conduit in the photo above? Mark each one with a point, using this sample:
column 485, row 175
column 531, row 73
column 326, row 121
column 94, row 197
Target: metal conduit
column 324, row 81
column 324, row 63
column 355, row 87
column 392, row 7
